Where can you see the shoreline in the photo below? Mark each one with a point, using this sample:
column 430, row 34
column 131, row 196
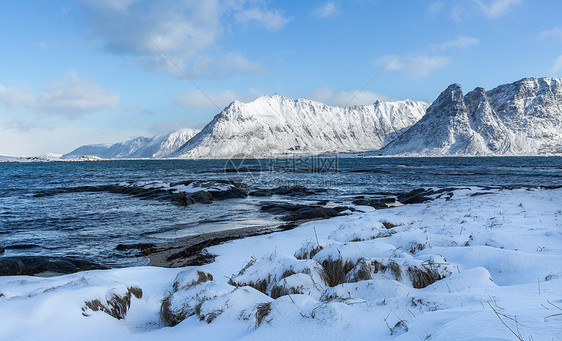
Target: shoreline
column 432, row 268
column 192, row 250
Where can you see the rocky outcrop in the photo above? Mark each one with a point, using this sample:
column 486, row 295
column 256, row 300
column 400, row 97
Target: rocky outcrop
column 522, row 118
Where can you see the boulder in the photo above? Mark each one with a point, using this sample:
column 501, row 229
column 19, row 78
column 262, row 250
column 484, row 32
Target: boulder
column 31, row 265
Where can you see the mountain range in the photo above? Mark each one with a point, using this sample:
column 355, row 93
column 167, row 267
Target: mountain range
column 521, row 118
column 159, row 146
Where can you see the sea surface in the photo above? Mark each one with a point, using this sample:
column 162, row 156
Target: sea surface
column 89, row 225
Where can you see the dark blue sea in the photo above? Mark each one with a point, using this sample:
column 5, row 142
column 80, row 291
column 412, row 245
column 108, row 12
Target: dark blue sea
column 90, row 225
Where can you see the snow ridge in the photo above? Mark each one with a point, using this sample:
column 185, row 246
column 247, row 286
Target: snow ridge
column 277, row 125
column 521, row 118
column 139, row 147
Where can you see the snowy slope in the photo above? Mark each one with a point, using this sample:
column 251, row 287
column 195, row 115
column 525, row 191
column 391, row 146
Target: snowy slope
column 522, row 118
column 276, row 125
column 140, row 147
column 498, row 254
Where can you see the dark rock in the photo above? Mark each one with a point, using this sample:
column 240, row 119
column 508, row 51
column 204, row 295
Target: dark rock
column 340, row 209
column 307, row 213
column 140, row 246
column 292, row 191
column 376, row 203
column 261, row 193
column 206, row 195
column 281, row 207
column 31, row 265
column 203, row 197
column 21, row 246
column 10, row 267
column 231, row 193
column 1, row 250
column 415, row 196
column 481, row 193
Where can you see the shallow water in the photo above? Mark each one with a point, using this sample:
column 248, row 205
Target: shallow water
column 90, row 225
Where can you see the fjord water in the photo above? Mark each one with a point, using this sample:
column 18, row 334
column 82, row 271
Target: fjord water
column 90, row 225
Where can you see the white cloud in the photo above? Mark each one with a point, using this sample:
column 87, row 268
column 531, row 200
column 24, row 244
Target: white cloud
column 71, row 97
column 414, row 65
column 195, row 98
column 271, row 20
column 460, row 42
column 225, row 65
column 15, row 138
column 113, row 5
column 461, row 10
column 557, row 66
column 135, row 109
column 555, row 33
column 343, row 98
column 327, row 10
column 74, row 97
column 13, row 98
column 186, row 30
column 496, row 8
column 435, row 7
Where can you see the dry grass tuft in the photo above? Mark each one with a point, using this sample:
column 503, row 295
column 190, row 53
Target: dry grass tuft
column 287, row 273
column 388, row 225
column 260, row 285
column 168, row 316
column 335, row 271
column 116, row 306
column 362, row 272
column 262, row 310
column 211, row 316
column 308, row 253
column 421, row 278
column 279, row 290
column 201, row 278
column 399, row 328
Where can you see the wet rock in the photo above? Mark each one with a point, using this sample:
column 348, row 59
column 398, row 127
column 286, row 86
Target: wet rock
column 281, row 207
column 231, row 193
column 375, row 203
column 308, row 213
column 139, row 246
column 203, row 197
column 1, row 250
column 207, row 193
column 292, row 191
column 21, row 246
column 261, row 193
column 295, row 212
column 415, row 196
column 182, row 200
column 32, row 265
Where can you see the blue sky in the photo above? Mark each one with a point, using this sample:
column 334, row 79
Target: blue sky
column 80, row 72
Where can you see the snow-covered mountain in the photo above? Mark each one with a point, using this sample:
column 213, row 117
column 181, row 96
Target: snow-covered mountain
column 521, row 118
column 277, row 125
column 140, row 147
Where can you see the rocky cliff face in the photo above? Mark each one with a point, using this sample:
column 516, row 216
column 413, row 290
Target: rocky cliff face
column 522, row 118
column 276, row 126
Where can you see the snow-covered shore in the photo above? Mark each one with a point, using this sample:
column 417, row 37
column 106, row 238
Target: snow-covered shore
column 499, row 256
